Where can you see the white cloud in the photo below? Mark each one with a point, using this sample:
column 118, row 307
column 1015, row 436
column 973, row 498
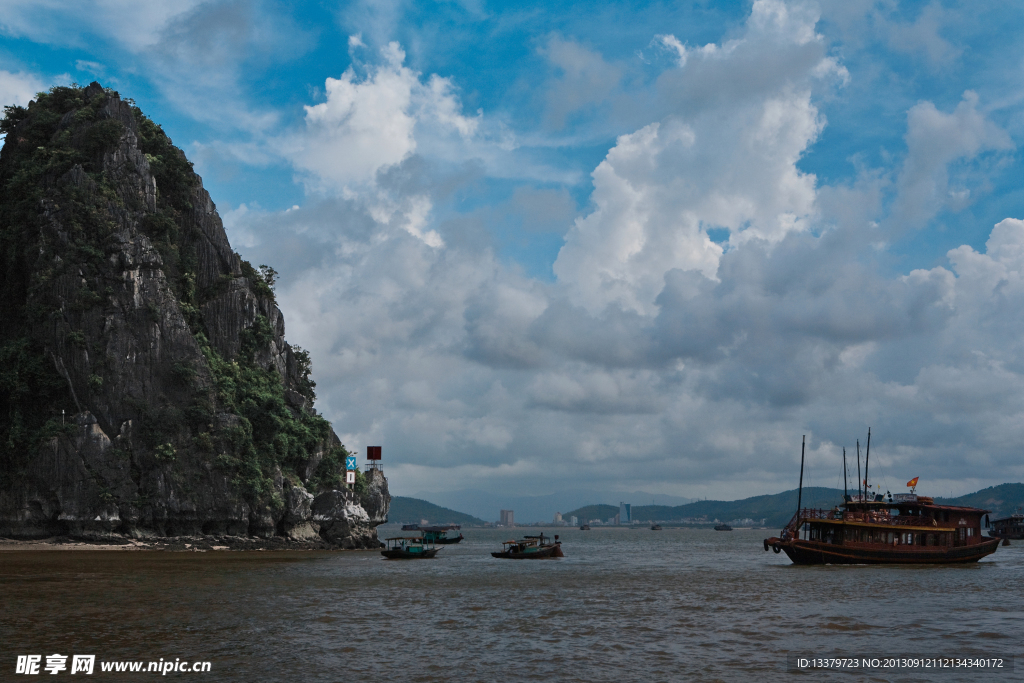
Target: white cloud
column 369, row 124
column 934, row 140
column 730, row 163
column 19, row 88
column 924, row 35
column 135, row 24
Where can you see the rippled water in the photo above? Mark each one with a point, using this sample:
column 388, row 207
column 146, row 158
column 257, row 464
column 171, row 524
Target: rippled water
column 624, row 605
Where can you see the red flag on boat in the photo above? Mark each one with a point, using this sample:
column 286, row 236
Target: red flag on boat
column 913, row 482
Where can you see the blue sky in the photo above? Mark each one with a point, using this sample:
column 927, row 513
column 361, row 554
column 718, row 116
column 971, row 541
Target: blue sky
column 536, row 246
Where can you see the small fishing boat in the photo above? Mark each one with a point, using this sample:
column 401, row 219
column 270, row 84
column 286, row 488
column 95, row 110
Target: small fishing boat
column 436, row 534
column 584, row 527
column 655, row 527
column 408, row 548
column 723, row 527
column 530, row 548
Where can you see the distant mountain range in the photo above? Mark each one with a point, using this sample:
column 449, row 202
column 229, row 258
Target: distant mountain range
column 530, row 509
column 414, row 511
column 776, row 509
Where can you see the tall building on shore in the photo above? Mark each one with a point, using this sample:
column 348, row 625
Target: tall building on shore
column 624, row 513
column 507, row 518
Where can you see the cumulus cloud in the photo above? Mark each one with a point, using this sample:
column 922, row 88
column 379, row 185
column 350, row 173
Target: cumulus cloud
column 934, row 140
column 729, row 161
column 366, row 125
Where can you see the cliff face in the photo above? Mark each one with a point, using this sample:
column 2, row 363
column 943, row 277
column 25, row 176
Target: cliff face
column 147, row 388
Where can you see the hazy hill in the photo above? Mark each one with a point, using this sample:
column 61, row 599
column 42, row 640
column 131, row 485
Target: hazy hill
column 776, row 508
column 538, row 508
column 589, row 512
column 1001, row 500
column 412, row 510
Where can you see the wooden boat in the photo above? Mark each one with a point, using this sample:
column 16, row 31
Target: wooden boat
column 1011, row 527
column 723, row 527
column 436, row 534
column 530, row 548
column 408, row 548
column 903, row 529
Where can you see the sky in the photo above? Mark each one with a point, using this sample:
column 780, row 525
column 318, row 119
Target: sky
column 625, row 246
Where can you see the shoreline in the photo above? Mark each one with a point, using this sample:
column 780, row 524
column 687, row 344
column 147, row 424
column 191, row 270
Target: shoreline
column 170, row 544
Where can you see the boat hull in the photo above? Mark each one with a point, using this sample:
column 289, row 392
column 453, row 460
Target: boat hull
column 400, row 554
column 1010, row 536
column 447, row 541
column 811, row 552
column 546, row 553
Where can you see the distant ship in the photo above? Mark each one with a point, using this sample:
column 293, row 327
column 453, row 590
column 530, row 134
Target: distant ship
column 436, row 534
column 655, row 527
column 1008, row 527
column 584, row 527
column 723, row 527
column 866, row 529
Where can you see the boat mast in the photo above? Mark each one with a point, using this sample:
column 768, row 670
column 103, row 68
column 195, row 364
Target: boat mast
column 859, row 480
column 867, row 459
column 846, row 494
column 800, row 494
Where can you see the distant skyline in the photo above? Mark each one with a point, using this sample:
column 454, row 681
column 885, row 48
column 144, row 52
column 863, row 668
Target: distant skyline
column 537, row 247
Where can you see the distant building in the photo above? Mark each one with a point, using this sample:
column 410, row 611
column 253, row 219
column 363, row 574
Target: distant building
column 624, row 513
column 507, row 518
column 574, row 521
column 558, row 518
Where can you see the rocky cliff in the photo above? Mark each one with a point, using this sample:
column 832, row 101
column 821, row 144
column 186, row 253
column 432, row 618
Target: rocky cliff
column 146, row 388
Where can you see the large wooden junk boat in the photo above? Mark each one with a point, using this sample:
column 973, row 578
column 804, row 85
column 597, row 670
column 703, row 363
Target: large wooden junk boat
column 873, row 529
column 1008, row 527
column 530, row 548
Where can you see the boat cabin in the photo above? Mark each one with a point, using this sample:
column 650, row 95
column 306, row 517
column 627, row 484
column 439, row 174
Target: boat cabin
column 408, row 544
column 905, row 520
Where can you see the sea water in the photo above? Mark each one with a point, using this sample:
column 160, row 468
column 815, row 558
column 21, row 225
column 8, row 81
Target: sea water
column 623, row 605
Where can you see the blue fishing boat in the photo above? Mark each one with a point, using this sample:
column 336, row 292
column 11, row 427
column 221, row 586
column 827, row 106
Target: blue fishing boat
column 408, row 548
